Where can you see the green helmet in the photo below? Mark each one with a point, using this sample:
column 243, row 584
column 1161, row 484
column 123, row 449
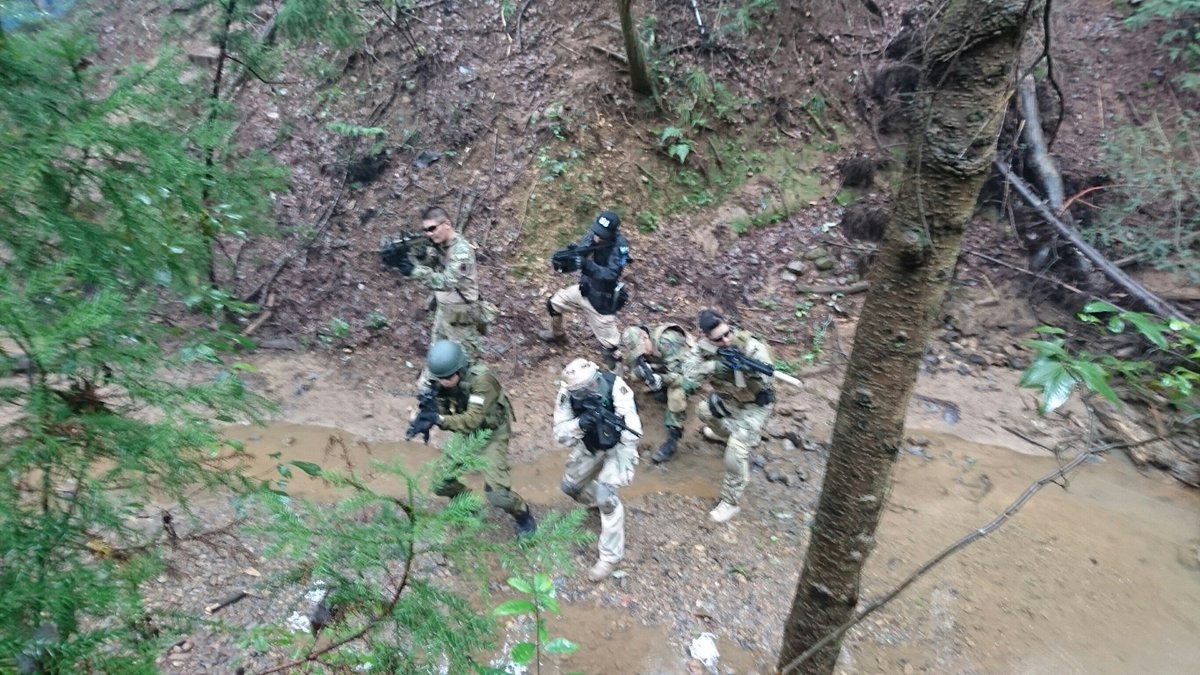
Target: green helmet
column 445, row 359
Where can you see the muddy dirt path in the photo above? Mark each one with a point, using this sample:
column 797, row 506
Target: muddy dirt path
column 1101, row 578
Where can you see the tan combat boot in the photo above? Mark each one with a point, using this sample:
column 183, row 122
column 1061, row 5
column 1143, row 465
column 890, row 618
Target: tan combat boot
column 724, row 512
column 555, row 334
column 601, row 571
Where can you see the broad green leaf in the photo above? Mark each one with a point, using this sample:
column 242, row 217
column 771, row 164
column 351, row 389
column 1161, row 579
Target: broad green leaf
column 515, row 607
column 1055, row 381
column 520, row 584
column 1049, row 330
column 543, row 585
column 308, row 467
column 560, row 646
column 1046, row 348
column 522, row 653
column 1039, row 372
column 1115, row 324
column 1099, row 307
column 679, row 151
column 550, row 604
column 1148, row 327
column 1095, row 378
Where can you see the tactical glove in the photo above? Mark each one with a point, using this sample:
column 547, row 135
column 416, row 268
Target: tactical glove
column 764, row 397
column 716, row 405
column 588, row 421
column 652, row 379
column 422, row 424
column 405, row 266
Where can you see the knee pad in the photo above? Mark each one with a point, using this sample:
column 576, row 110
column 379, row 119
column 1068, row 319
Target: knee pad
column 606, row 498
column 571, row 489
column 550, row 308
column 501, row 498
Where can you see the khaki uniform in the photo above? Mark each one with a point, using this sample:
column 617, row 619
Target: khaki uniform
column 449, row 271
column 478, row 402
column 592, row 479
column 742, row 429
column 671, row 346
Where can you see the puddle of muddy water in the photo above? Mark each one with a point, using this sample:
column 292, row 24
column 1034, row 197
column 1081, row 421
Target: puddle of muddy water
column 1101, row 578
column 537, row 482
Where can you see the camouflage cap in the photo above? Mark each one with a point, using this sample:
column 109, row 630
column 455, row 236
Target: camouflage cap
column 632, row 343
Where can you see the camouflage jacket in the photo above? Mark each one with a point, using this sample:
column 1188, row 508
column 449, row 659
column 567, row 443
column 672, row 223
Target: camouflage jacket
column 449, row 271
column 671, row 346
column 705, row 365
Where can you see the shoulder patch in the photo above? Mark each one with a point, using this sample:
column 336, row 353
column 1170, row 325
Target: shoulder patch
column 475, row 399
column 623, row 389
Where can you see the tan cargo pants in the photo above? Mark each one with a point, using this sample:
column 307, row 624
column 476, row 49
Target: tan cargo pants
column 593, row 480
column 604, row 326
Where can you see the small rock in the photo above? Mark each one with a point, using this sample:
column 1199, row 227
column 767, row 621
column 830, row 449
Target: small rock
column 824, row 264
column 776, row 474
column 816, row 253
column 788, row 277
column 759, row 461
column 788, row 445
column 796, row 267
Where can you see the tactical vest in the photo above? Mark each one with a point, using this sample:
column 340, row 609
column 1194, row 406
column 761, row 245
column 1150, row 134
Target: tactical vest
column 457, row 399
column 591, row 438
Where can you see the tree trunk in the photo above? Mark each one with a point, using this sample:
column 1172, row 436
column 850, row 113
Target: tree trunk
column 639, row 74
column 969, row 71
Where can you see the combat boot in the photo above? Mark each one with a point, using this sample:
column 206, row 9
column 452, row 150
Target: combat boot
column 555, row 334
column 526, row 525
column 601, row 571
column 667, row 450
column 610, row 359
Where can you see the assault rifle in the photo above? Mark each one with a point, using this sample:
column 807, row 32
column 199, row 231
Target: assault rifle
column 564, row 260
column 610, row 426
column 392, row 251
column 647, row 373
column 426, row 406
column 739, row 363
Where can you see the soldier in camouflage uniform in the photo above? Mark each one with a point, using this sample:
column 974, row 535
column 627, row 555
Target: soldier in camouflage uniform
column 469, row 398
column 448, row 269
column 655, row 356
column 737, row 409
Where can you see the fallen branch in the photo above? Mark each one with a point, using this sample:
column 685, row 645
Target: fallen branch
column 610, row 53
column 1037, row 154
column 1113, row 273
column 957, row 546
column 322, row 225
column 860, row 287
column 218, row 606
column 1037, row 275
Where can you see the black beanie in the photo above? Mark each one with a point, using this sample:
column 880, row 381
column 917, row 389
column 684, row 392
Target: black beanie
column 709, row 320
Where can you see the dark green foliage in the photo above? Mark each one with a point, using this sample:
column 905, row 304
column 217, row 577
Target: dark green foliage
column 401, row 570
column 1181, row 40
column 102, row 229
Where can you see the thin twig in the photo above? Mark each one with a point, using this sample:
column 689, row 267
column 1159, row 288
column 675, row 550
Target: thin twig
column 958, row 546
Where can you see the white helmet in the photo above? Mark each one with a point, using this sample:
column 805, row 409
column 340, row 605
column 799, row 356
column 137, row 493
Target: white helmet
column 578, row 373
